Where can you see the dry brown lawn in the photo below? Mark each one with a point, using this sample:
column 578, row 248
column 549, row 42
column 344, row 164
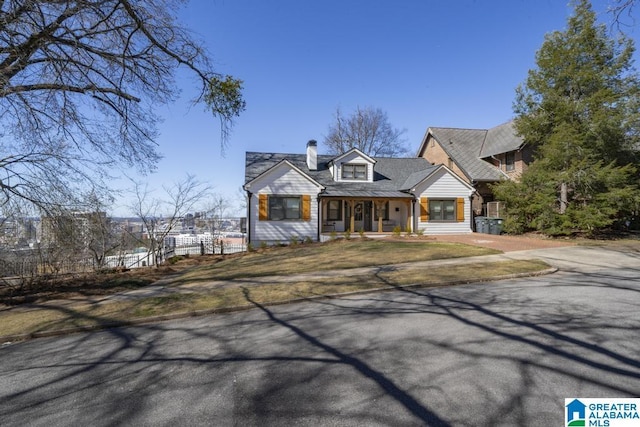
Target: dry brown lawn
column 85, row 302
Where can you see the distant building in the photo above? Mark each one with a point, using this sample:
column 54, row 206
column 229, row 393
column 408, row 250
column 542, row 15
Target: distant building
column 71, row 229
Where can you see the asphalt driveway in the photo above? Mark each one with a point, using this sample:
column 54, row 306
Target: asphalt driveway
column 504, row 353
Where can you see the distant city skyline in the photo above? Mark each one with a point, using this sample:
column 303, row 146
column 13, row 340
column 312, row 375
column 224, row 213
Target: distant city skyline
column 425, row 63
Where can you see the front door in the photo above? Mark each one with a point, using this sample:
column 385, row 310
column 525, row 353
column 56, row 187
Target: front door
column 366, row 216
column 362, row 216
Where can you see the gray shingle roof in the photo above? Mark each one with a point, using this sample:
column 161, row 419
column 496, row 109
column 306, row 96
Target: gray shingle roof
column 463, row 146
column 468, row 147
column 501, row 139
column 392, row 176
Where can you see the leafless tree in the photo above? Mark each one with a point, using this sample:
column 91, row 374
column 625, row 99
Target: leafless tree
column 367, row 129
column 621, row 8
column 217, row 211
column 241, row 199
column 103, row 236
column 18, row 264
column 64, row 243
column 160, row 216
column 80, row 84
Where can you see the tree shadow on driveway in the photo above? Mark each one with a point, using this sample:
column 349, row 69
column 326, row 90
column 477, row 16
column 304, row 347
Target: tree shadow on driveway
column 504, row 353
column 387, row 385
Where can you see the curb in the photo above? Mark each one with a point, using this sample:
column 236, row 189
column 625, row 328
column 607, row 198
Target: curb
column 10, row 339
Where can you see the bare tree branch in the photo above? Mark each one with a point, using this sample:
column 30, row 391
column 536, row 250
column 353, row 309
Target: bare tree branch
column 367, row 129
column 619, row 9
column 83, row 80
column 161, row 215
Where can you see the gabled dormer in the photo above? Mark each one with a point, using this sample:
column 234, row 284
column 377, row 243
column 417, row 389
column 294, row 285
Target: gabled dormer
column 352, row 166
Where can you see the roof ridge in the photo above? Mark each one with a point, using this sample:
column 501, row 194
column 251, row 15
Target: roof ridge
column 484, row 140
column 452, row 128
column 502, row 124
column 331, row 156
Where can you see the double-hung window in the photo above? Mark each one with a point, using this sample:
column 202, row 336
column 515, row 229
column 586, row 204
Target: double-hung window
column 510, row 161
column 354, row 171
column 442, row 210
column 334, row 210
column 384, row 211
column 285, row 207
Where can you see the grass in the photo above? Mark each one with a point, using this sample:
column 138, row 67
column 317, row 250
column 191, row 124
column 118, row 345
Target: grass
column 338, row 254
column 189, row 289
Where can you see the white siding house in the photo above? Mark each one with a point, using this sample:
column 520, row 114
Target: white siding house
column 297, row 196
column 283, row 181
column 444, row 203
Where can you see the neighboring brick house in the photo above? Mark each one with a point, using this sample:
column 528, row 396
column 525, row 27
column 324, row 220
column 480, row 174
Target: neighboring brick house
column 479, row 156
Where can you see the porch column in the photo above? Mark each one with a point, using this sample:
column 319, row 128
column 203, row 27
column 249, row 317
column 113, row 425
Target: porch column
column 379, row 211
column 352, row 225
column 409, row 216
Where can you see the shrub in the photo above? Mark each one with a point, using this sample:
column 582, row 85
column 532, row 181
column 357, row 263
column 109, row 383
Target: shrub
column 347, row 234
column 397, row 230
column 174, row 259
column 361, row 233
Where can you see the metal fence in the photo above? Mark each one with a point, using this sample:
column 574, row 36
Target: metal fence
column 29, row 267
column 204, row 249
column 23, row 265
column 136, row 260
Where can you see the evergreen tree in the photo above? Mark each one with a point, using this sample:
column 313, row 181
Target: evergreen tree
column 580, row 109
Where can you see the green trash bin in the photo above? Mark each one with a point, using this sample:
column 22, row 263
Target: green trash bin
column 495, row 225
column 482, row 225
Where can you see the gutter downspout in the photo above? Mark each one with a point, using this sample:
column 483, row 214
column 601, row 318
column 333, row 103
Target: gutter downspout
column 414, row 217
column 249, row 195
column 318, row 219
column 472, row 220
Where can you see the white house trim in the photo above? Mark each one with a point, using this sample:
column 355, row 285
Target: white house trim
column 281, row 164
column 453, row 174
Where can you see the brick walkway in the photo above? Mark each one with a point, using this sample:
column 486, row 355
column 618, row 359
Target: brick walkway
column 504, row 243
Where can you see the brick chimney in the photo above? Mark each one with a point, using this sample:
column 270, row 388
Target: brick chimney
column 312, row 155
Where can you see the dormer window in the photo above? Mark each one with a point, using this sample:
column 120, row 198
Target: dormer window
column 354, row 171
column 352, row 166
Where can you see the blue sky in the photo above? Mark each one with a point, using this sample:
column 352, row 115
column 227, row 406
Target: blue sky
column 426, row 63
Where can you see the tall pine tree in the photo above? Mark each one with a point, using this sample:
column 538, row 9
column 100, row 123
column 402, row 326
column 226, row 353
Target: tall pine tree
column 580, row 109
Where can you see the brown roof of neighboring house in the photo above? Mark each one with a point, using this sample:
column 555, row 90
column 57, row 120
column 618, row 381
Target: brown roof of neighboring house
column 468, row 147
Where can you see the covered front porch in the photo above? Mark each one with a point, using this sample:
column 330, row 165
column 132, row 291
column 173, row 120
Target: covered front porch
column 365, row 214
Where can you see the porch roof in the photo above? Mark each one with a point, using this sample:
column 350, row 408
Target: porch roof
column 367, row 194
